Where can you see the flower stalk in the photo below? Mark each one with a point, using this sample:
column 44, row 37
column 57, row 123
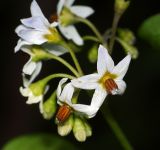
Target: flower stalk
column 116, row 129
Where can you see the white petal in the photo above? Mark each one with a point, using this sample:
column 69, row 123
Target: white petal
column 71, row 33
column 34, row 99
column 69, row 2
column 36, row 10
column 67, row 93
column 104, row 62
column 20, row 43
column 82, row 11
column 86, row 110
column 121, row 68
column 27, row 50
column 35, row 22
column 60, row 6
column 55, row 49
column 59, row 88
column 86, row 82
column 121, row 86
column 54, row 24
column 24, row 91
column 36, row 72
column 25, row 80
column 33, row 36
column 19, row 28
column 98, row 97
column 29, row 67
column 41, row 107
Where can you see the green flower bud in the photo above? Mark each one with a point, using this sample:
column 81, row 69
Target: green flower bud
column 132, row 50
column 121, row 5
column 127, row 36
column 65, row 128
column 67, row 17
column 49, row 106
column 92, row 54
column 88, row 129
column 79, row 130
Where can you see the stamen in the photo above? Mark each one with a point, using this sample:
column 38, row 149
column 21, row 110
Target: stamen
column 63, row 114
column 53, row 18
column 111, row 86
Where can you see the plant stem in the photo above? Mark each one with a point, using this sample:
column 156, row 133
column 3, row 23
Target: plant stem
column 75, row 60
column 58, row 75
column 116, row 129
column 114, row 29
column 93, row 28
column 64, row 62
column 91, row 38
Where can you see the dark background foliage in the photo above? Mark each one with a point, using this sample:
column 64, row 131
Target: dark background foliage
column 137, row 111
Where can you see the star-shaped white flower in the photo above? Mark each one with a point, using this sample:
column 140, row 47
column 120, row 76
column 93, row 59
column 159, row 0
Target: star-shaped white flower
column 69, row 31
column 65, row 101
column 108, row 80
column 35, row 92
column 34, row 30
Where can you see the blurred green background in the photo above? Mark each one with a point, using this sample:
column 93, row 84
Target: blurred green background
column 137, row 111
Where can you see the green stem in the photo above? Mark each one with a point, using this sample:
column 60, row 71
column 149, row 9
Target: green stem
column 75, row 60
column 91, row 38
column 64, row 63
column 93, row 28
column 116, row 129
column 114, row 29
column 58, row 75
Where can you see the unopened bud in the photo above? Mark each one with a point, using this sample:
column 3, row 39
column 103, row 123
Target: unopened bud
column 127, row 36
column 79, row 130
column 121, row 5
column 132, row 50
column 92, row 54
column 88, row 129
column 49, row 107
column 66, row 127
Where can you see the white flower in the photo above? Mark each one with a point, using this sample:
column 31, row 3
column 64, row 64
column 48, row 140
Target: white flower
column 31, row 68
column 108, row 80
column 34, row 30
column 66, row 24
column 32, row 99
column 65, row 101
column 35, row 92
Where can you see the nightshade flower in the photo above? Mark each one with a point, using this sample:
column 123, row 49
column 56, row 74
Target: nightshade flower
column 67, row 16
column 108, row 80
column 36, row 29
column 66, row 105
column 35, row 92
column 31, row 68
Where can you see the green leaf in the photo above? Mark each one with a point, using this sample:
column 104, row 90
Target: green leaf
column 149, row 31
column 38, row 142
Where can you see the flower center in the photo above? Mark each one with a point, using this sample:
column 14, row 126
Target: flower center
column 109, row 84
column 63, row 113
